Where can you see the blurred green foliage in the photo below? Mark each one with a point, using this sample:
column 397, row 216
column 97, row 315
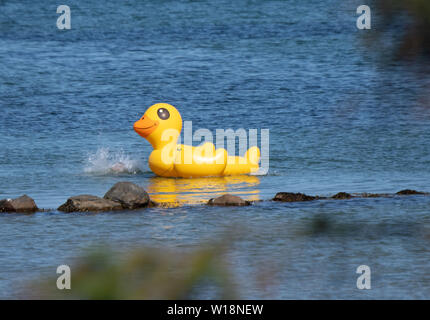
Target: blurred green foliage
column 143, row 274
column 408, row 22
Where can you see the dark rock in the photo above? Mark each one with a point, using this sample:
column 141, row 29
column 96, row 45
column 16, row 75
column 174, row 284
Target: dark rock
column 153, row 204
column 409, row 192
column 342, row 195
column 228, row 200
column 6, row 205
column 21, row 204
column 129, row 195
column 292, row 197
column 84, row 203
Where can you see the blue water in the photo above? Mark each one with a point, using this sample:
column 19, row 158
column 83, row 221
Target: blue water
column 340, row 119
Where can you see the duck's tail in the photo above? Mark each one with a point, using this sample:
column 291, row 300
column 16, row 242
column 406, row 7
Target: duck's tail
column 243, row 165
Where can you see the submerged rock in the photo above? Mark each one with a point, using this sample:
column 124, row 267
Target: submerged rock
column 373, row 195
column 409, row 192
column 85, row 203
column 293, row 197
column 228, row 200
column 129, row 195
column 342, row 195
column 21, row 204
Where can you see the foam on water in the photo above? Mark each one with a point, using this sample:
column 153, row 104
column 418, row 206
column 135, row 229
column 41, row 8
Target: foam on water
column 106, row 161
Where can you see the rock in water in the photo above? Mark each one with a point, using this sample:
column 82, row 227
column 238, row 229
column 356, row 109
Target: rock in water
column 228, row 200
column 342, row 195
column 84, row 203
column 21, row 204
column 129, row 195
column 292, row 197
column 409, row 192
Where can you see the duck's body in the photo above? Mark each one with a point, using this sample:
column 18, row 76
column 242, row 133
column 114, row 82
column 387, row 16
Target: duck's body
column 161, row 125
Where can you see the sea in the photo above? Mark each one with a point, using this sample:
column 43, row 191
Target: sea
column 342, row 117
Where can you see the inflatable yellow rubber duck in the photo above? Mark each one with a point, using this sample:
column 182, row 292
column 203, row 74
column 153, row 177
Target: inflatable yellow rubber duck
column 161, row 126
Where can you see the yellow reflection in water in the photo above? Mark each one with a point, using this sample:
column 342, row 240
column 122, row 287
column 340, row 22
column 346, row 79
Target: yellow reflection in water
column 197, row 190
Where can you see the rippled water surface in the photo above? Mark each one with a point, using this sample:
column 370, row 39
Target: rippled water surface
column 339, row 120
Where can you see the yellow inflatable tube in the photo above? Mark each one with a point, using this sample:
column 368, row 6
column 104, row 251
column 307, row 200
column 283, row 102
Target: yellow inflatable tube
column 161, row 125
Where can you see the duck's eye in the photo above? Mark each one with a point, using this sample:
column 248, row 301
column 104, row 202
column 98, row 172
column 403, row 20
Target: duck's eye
column 163, row 114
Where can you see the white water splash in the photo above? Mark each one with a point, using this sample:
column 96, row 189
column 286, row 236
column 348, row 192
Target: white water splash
column 105, row 161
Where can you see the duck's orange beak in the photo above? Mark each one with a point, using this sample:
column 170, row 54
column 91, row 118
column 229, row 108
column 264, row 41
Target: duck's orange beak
column 145, row 126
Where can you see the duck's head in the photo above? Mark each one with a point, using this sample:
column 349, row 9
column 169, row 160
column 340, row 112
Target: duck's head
column 159, row 125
